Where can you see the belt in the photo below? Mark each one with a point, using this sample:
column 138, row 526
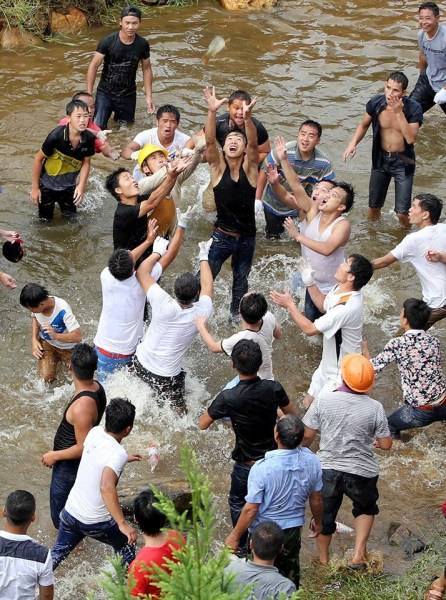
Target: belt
column 113, row 354
column 390, row 154
column 231, row 233
column 433, row 406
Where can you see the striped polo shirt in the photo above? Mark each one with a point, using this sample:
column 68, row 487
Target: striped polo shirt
column 24, row 564
column 318, row 168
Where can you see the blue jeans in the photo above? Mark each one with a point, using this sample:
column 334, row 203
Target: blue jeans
column 380, row 180
column 408, row 417
column 71, row 532
column 62, row 480
column 311, row 310
column 124, row 108
column 108, row 365
column 237, row 493
column 241, row 249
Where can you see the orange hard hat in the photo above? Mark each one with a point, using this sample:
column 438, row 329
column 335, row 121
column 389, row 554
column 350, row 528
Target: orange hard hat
column 357, row 372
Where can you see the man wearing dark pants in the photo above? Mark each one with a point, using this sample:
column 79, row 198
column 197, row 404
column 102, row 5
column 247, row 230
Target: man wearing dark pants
column 234, row 178
column 252, row 408
column 121, row 53
column 278, row 489
column 83, row 412
column 430, row 87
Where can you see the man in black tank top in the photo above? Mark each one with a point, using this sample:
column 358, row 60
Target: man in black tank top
column 234, row 180
column 83, row 412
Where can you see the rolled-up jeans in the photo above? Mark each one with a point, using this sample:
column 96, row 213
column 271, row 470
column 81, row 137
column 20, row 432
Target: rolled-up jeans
column 71, row 532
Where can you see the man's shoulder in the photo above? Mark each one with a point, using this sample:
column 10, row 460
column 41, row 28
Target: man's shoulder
column 26, row 548
column 58, row 133
column 376, row 102
column 320, row 155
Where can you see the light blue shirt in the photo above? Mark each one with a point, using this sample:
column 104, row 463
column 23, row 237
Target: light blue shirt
column 281, row 483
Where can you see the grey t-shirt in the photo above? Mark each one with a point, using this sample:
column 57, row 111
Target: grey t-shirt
column 348, row 424
column 266, row 581
column 435, row 52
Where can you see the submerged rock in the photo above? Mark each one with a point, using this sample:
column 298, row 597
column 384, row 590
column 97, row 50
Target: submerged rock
column 241, row 4
column 399, row 535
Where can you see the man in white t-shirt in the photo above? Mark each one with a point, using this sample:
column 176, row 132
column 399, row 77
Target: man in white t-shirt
column 425, row 250
column 24, row 563
column 343, row 308
column 92, row 508
column 258, row 325
column 120, row 327
column 55, row 330
column 159, row 356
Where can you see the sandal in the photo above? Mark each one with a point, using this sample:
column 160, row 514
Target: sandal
column 435, row 592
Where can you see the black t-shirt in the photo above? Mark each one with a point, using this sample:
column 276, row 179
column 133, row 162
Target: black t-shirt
column 129, row 229
column 235, row 204
column 252, row 407
column 121, row 63
column 223, row 127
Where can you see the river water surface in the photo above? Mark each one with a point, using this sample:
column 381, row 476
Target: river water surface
column 320, row 60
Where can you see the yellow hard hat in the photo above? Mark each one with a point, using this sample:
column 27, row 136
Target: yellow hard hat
column 149, row 149
column 357, row 372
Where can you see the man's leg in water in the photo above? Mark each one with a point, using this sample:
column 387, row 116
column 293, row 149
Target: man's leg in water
column 436, row 315
column 273, row 224
column 311, row 310
column 221, row 249
column 125, row 108
column 403, row 191
column 378, row 186
column 423, row 92
column 63, row 477
column 242, row 258
column 103, row 109
column 109, row 533
column 237, row 493
column 68, row 537
column 409, row 417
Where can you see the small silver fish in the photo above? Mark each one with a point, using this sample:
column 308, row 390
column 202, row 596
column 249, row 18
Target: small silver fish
column 216, row 46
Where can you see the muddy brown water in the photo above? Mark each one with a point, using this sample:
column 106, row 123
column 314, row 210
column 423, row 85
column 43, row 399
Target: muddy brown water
column 315, row 59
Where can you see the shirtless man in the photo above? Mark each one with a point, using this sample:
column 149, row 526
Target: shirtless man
column 234, row 179
column 395, row 120
column 324, row 231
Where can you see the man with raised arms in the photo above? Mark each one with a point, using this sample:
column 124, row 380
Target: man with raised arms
column 395, row 121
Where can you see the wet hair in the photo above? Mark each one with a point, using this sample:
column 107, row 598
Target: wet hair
column 149, row 519
column 20, row 507
column 121, row 264
column 362, row 269
column 290, row 430
column 84, row 361
column 73, row 104
column 131, row 11
column 32, row 295
column 186, row 288
column 112, row 181
column 313, row 124
column 239, row 95
column 267, row 540
column 417, row 313
column 253, row 307
column 432, row 204
column 119, row 414
column 77, row 95
column 246, row 357
column 349, row 194
column 168, row 108
column 430, row 6
column 399, row 77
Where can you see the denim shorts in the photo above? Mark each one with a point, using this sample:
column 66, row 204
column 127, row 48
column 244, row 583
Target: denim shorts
column 362, row 491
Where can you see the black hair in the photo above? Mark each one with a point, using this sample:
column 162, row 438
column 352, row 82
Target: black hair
column 313, row 124
column 362, row 269
column 149, row 519
column 84, row 361
column 77, row 95
column 112, row 181
column 239, row 95
column 417, row 313
column 290, row 430
column 267, row 540
column 186, row 288
column 238, row 132
column 168, row 108
column 32, row 295
column 246, row 357
column 20, row 507
column 430, row 6
column 73, row 104
column 399, row 77
column 433, row 204
column 121, row 264
column 131, row 11
column 119, row 414
column 253, row 307
column 349, row 193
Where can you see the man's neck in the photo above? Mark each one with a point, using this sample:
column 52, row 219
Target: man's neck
column 125, row 38
column 425, row 223
column 164, row 139
column 48, row 310
column 263, row 563
column 247, row 377
column 84, row 384
column 234, row 164
column 252, row 326
column 117, row 436
column 131, row 200
column 73, row 133
column 328, row 218
column 16, row 529
column 430, row 36
column 345, row 287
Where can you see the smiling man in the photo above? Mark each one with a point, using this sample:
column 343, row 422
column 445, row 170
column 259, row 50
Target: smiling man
column 395, row 120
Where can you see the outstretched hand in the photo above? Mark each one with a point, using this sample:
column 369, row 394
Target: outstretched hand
column 152, row 230
column 178, row 165
column 291, row 228
column 280, row 148
column 247, row 108
column 272, row 174
column 213, row 102
column 285, row 300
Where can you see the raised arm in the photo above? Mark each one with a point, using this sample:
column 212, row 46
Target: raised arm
column 213, row 155
column 93, row 67
column 383, row 261
column 208, row 339
column 149, row 183
column 286, row 301
column 252, row 153
column 302, row 199
column 206, row 279
column 360, row 132
column 152, row 232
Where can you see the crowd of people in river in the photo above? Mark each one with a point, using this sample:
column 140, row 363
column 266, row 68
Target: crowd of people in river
column 293, row 183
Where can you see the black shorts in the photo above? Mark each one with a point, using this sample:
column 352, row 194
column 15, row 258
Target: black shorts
column 64, row 199
column 166, row 388
column 362, row 491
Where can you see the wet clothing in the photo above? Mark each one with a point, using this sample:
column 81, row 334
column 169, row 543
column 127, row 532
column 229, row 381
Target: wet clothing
column 47, row 365
column 129, row 229
column 424, row 94
column 171, row 389
column 266, row 581
column 225, row 126
column 235, row 204
column 123, row 108
column 434, row 50
column 62, row 320
column 408, row 417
